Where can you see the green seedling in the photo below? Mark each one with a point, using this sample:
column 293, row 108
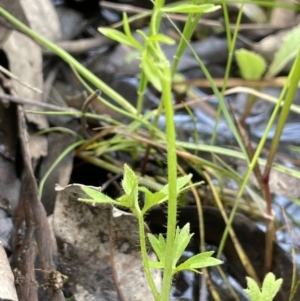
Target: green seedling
column 129, row 200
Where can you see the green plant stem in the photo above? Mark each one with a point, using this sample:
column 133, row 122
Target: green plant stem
column 172, row 176
column 156, row 21
column 56, row 162
column 231, row 43
column 283, row 116
column 58, row 129
column 140, row 92
column 251, row 100
column 154, row 28
column 231, row 46
column 145, row 258
column 143, row 79
column 171, row 160
column 227, row 22
column 70, row 60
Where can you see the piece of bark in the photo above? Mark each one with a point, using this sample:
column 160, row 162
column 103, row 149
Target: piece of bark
column 42, row 18
column 7, row 280
column 24, row 55
column 4, row 35
column 81, row 46
column 39, row 15
column 25, row 61
column 13, row 7
column 32, row 240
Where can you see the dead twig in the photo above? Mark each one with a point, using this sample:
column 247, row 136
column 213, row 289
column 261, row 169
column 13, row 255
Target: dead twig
column 233, row 82
column 32, row 220
column 85, row 105
column 14, row 77
column 82, row 45
column 26, row 101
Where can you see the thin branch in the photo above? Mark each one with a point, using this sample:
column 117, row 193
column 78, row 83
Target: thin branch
column 14, row 77
column 85, row 105
column 82, row 45
column 26, row 101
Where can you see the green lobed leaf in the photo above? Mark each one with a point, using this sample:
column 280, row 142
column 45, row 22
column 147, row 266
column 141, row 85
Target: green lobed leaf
column 270, row 287
column 156, row 264
column 191, row 8
column 181, row 182
column 159, row 246
column 289, row 48
column 96, row 196
column 185, row 267
column 251, row 65
column 130, row 186
column 129, row 180
column 157, row 198
column 253, row 290
column 152, row 199
column 198, row 261
column 125, row 201
column 182, row 238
